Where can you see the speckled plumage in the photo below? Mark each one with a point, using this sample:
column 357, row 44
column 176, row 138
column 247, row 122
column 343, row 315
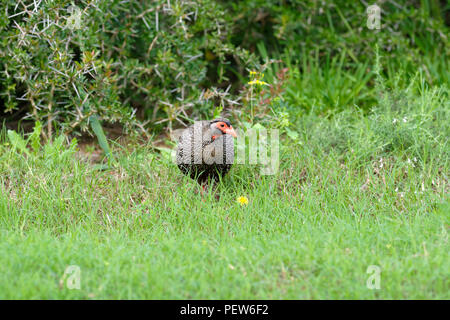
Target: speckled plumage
column 200, row 156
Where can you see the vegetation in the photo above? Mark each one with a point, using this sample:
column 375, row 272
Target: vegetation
column 364, row 155
column 153, row 65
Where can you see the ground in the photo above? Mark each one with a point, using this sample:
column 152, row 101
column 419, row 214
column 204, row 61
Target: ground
column 138, row 229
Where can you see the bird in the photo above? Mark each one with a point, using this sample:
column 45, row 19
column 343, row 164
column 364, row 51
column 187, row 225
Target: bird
column 205, row 151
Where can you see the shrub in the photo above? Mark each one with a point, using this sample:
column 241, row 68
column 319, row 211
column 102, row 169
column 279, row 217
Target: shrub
column 65, row 61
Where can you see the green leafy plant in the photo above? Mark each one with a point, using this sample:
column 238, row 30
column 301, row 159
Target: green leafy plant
column 102, row 141
column 63, row 62
column 53, row 152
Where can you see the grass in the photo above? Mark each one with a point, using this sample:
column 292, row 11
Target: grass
column 353, row 190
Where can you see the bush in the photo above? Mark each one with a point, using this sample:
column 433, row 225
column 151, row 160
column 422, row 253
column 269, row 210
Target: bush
column 165, row 62
column 64, row 63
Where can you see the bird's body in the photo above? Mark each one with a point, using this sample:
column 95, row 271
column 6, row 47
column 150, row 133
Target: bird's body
column 206, row 150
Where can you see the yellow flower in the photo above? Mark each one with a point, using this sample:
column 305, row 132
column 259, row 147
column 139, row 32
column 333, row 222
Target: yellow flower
column 252, row 73
column 242, row 201
column 258, row 82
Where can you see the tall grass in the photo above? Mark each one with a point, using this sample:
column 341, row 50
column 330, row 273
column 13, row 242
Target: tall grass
column 352, row 191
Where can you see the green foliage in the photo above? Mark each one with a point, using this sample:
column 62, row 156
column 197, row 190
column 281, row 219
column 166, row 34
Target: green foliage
column 413, row 33
column 330, row 86
column 17, row 142
column 111, row 59
column 51, row 154
column 363, row 153
column 405, row 122
column 156, row 63
column 141, row 229
column 20, row 144
column 102, row 141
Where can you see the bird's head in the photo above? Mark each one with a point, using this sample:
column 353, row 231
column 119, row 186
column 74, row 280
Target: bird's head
column 220, row 127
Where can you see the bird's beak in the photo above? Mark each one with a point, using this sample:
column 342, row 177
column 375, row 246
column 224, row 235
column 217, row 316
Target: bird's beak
column 231, row 131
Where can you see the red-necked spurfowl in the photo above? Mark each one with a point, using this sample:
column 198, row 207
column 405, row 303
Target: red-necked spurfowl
column 206, row 150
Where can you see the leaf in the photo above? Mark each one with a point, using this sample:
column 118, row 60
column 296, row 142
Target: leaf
column 258, row 126
column 18, row 142
column 292, row 134
column 217, row 112
column 35, row 137
column 102, row 141
column 247, row 125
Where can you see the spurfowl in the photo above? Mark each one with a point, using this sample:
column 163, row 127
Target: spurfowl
column 206, row 150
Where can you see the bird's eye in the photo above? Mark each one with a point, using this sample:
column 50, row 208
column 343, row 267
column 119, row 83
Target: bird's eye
column 222, row 125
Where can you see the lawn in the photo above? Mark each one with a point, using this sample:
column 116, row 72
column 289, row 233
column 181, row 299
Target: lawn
column 354, row 190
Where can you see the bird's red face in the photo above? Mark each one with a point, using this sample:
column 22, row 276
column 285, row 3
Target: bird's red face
column 224, row 128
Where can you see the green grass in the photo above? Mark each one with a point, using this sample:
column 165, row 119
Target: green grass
column 353, row 190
